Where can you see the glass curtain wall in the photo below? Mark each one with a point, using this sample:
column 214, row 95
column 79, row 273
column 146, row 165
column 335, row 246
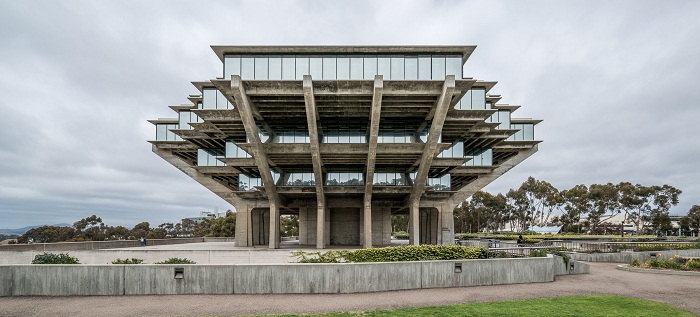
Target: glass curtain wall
column 163, row 132
column 503, row 117
column 526, row 132
column 474, row 99
column 209, row 157
column 187, row 117
column 480, row 157
column 456, row 150
column 440, row 183
column 212, row 98
column 233, row 151
column 390, row 177
column 300, row 177
column 344, row 177
column 247, row 183
column 295, row 136
column 343, row 67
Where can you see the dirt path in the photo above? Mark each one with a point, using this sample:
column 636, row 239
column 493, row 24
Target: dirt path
column 679, row 291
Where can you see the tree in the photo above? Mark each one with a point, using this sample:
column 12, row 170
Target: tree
column 605, row 203
column 47, row 234
column 289, row 225
column 224, row 226
column 141, row 230
column 691, row 221
column 577, row 203
column 91, row 221
column 663, row 197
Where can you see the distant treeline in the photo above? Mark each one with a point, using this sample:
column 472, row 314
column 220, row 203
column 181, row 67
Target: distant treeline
column 578, row 209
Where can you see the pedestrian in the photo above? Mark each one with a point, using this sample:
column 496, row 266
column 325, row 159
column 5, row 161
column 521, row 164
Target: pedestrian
column 144, row 242
column 521, row 241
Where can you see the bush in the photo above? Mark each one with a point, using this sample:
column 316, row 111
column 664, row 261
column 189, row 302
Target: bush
column 401, row 235
column 394, row 254
column 675, row 263
column 177, row 261
column 127, row 261
column 540, row 253
column 52, row 258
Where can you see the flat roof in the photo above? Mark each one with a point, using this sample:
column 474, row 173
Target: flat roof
column 464, row 50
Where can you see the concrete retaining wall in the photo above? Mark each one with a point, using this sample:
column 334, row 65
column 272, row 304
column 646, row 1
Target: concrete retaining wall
column 296, row 278
column 152, row 256
column 99, row 245
column 627, row 257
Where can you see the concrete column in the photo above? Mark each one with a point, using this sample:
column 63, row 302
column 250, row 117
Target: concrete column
column 274, row 226
column 243, row 227
column 320, row 227
column 414, row 223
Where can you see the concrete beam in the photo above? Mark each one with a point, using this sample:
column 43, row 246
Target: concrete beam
column 312, row 122
column 486, row 179
column 371, row 158
column 215, row 187
column 429, row 153
column 256, row 149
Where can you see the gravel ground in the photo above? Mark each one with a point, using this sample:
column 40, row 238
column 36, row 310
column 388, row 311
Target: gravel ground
column 679, row 291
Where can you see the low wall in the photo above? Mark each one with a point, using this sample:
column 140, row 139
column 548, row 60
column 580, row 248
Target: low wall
column 99, row 245
column 627, row 257
column 152, row 256
column 296, row 278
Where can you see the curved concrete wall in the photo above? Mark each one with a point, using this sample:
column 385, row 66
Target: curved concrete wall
column 627, row 257
column 99, row 245
column 296, row 278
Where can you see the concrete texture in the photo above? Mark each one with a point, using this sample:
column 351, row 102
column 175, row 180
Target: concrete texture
column 160, row 279
column 627, row 257
column 605, row 278
column 68, row 280
column 100, row 245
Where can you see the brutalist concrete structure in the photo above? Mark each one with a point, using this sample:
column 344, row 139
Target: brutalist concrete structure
column 344, row 137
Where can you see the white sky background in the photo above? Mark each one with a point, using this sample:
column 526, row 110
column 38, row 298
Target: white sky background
column 616, row 83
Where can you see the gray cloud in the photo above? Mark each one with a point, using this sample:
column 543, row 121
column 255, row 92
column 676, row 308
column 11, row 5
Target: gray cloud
column 614, row 82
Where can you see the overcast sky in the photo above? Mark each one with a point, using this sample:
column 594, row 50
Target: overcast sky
column 616, row 83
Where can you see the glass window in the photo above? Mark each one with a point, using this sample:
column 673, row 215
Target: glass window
column 466, row 102
column 209, row 98
column 232, row 65
column 316, row 67
column 274, row 67
column 247, row 183
column 343, row 65
column 411, row 68
column 329, row 68
column 300, row 177
column 397, row 67
column 261, row 67
column 384, row 67
column 187, row 117
column 233, row 151
column 504, row 119
column 370, row 67
column 440, row 183
column 247, row 67
column 302, row 63
column 356, row 68
column 209, row 157
column 424, row 68
column 288, row 67
column 528, row 132
column 438, row 66
column 478, row 95
column 161, row 132
column 453, row 66
column 222, row 102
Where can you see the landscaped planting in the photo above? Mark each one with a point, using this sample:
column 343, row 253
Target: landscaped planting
column 52, row 258
column 177, row 261
column 394, row 254
column 128, row 261
column 675, row 263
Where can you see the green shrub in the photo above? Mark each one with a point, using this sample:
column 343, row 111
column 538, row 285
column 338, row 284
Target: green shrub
column 636, row 262
column 394, row 254
column 401, row 235
column 319, row 257
column 540, row 253
column 177, row 261
column 52, row 258
column 693, row 264
column 414, row 253
column 127, row 261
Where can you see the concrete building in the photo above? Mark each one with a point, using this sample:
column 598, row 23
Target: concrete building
column 344, row 137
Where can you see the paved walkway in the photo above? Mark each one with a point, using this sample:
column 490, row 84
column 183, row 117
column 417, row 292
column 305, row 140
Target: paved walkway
column 679, row 291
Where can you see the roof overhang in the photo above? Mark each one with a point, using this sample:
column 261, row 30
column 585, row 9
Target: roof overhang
column 465, row 50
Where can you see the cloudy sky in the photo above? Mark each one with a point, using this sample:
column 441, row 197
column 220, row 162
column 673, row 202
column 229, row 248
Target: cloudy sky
column 615, row 81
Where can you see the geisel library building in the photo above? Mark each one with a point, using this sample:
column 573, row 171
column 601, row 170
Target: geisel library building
column 344, row 137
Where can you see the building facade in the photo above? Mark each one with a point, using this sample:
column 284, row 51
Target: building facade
column 344, row 137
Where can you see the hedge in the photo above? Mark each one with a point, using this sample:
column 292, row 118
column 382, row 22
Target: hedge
column 52, row 258
column 395, row 254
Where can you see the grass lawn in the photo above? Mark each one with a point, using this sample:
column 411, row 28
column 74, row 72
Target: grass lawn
column 584, row 305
